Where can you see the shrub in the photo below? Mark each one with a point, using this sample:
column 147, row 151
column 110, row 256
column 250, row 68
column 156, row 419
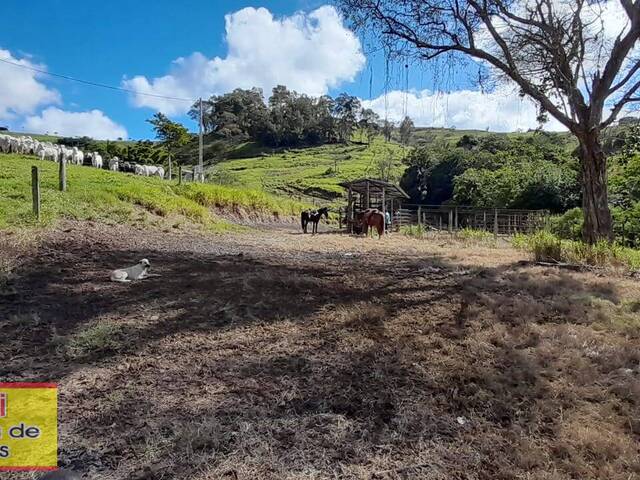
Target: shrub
column 470, row 234
column 416, row 231
column 97, row 338
column 547, row 247
column 567, row 226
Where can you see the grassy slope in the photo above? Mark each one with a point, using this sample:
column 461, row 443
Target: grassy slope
column 103, row 195
column 451, row 136
column 310, row 171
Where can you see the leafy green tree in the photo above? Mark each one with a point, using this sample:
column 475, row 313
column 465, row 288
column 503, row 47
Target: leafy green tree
column 406, row 130
column 172, row 135
column 346, row 110
column 368, row 124
column 387, row 130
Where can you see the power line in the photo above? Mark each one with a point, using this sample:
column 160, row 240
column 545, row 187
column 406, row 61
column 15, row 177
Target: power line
column 95, row 84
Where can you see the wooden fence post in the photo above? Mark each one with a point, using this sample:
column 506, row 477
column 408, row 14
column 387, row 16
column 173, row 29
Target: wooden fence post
column 384, row 212
column 420, row 215
column 450, row 224
column 456, row 220
column 62, row 175
column 179, row 174
column 35, row 190
column 340, row 218
column 495, row 222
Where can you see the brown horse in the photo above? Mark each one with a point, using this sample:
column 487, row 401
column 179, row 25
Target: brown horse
column 372, row 218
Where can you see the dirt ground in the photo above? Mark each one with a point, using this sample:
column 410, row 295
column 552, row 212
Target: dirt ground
column 276, row 355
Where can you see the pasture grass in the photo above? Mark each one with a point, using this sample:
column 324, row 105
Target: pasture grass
column 311, row 172
column 97, row 338
column 466, row 236
column 101, row 195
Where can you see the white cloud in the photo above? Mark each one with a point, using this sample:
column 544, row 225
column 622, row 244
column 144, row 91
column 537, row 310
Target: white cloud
column 309, row 53
column 93, row 124
column 501, row 111
column 20, row 91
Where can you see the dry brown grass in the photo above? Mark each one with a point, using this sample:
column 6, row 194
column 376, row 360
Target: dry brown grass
column 282, row 356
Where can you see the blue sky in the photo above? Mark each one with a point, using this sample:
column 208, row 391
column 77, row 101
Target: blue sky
column 302, row 43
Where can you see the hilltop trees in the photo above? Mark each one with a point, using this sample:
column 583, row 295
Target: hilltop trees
column 406, row 130
column 369, row 124
column 287, row 119
column 577, row 67
column 387, row 130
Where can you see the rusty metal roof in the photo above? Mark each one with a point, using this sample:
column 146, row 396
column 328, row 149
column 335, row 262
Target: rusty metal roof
column 376, row 186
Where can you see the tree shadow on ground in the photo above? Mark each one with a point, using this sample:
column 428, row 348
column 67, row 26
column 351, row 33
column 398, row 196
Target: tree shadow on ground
column 374, row 366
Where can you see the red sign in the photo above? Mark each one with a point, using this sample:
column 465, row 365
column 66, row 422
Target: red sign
column 3, row 405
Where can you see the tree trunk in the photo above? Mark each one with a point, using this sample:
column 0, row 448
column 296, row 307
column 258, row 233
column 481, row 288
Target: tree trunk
column 595, row 203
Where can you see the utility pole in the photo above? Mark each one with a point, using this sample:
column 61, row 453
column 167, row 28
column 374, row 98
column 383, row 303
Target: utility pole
column 200, row 151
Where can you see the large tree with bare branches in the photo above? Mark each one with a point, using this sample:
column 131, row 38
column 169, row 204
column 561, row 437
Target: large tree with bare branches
column 562, row 54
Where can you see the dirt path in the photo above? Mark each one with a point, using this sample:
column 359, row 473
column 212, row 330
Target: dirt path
column 282, row 356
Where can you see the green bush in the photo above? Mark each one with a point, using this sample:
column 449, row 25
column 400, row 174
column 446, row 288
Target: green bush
column 416, row 231
column 567, row 226
column 470, row 234
column 545, row 246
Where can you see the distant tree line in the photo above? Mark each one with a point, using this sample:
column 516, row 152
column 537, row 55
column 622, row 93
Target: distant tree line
column 528, row 172
column 289, row 118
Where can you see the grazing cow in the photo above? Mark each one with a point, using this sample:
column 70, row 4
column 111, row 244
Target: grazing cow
column 149, row 171
column 129, row 167
column 78, row 156
column 66, row 154
column 14, row 145
column 114, row 163
column 4, row 143
column 46, row 151
column 96, row 160
column 140, row 170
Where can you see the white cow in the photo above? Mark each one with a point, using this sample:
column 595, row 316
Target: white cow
column 78, row 156
column 66, row 154
column 4, row 143
column 14, row 145
column 140, row 170
column 149, row 170
column 114, row 164
column 46, row 151
column 96, row 160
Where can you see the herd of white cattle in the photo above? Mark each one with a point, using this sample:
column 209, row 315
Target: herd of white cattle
column 61, row 153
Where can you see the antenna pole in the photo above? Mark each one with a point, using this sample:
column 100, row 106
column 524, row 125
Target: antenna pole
column 200, row 150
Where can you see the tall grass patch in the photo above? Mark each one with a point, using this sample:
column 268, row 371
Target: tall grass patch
column 547, row 247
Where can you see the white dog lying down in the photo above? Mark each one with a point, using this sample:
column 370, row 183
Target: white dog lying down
column 137, row 272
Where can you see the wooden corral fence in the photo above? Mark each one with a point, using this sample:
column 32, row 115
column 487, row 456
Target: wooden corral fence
column 451, row 218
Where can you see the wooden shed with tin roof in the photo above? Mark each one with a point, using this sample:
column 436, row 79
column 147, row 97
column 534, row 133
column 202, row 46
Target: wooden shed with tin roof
column 367, row 193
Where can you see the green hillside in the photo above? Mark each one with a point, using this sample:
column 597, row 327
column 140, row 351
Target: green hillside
column 117, row 197
column 312, row 172
column 422, row 136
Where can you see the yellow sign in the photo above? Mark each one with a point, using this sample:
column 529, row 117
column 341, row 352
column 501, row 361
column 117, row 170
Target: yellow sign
column 28, row 426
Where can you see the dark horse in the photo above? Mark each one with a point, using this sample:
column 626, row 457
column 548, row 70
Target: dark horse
column 314, row 217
